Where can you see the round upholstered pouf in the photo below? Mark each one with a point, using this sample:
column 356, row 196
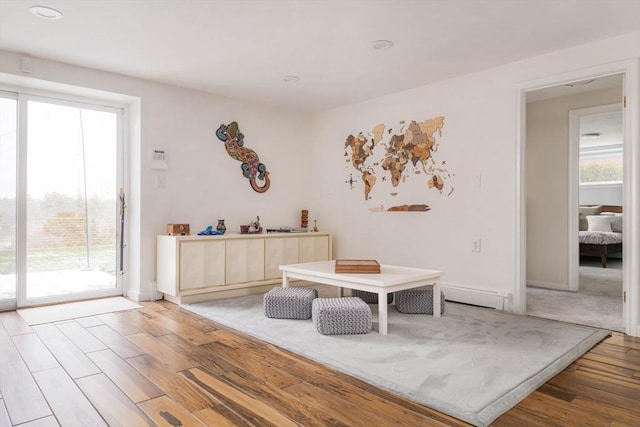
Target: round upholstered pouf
column 417, row 301
column 289, row 303
column 341, row 316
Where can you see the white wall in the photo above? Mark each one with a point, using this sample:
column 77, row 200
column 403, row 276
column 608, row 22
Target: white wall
column 479, row 137
column 203, row 184
column 307, row 166
column 547, row 154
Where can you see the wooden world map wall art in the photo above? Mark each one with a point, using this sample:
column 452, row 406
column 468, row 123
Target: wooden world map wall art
column 251, row 167
column 386, row 160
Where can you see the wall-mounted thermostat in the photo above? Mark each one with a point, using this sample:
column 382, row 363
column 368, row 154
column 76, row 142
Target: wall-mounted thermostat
column 159, row 160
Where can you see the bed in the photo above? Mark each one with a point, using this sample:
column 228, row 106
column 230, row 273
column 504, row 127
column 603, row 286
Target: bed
column 600, row 231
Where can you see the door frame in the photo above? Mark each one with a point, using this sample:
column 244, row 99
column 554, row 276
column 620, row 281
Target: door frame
column 574, row 185
column 630, row 70
column 23, row 96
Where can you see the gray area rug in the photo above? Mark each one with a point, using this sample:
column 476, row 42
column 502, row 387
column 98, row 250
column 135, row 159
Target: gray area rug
column 472, row 363
column 598, row 302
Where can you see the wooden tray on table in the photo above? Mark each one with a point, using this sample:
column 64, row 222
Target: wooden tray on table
column 362, row 266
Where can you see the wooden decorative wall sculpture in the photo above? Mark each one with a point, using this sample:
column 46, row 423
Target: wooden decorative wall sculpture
column 251, row 167
column 385, row 158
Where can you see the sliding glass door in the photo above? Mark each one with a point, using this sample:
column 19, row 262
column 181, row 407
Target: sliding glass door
column 66, row 221
column 8, row 190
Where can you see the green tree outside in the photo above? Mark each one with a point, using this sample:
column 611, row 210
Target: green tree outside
column 597, row 172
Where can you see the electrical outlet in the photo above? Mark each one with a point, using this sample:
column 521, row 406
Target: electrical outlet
column 476, row 245
column 162, row 181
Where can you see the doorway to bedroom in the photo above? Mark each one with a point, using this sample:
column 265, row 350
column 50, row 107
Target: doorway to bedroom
column 574, row 147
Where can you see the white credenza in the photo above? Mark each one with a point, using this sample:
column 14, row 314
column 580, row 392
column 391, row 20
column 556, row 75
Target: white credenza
column 196, row 268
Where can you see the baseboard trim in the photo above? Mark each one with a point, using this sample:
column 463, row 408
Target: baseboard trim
column 135, row 296
column 222, row 293
column 479, row 297
column 455, row 293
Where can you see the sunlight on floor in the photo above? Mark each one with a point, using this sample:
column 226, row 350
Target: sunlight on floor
column 58, row 282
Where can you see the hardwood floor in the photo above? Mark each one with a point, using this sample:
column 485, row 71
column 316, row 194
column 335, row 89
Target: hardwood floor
column 162, row 365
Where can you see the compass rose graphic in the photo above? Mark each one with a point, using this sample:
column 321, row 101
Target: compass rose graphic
column 350, row 181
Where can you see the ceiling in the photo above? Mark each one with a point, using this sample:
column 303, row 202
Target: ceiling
column 608, row 125
column 244, row 49
column 581, row 86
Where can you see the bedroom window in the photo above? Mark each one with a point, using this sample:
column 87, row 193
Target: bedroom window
column 601, row 149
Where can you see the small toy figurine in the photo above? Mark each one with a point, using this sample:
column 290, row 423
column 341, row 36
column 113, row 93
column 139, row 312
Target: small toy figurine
column 315, row 225
column 209, row 231
column 254, row 226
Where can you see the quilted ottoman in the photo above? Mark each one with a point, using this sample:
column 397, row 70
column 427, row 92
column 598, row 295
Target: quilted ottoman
column 341, row 316
column 370, row 297
column 417, row 301
column 289, row 303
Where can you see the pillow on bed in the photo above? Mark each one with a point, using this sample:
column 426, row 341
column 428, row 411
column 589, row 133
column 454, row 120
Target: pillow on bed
column 583, row 211
column 599, row 223
column 616, row 221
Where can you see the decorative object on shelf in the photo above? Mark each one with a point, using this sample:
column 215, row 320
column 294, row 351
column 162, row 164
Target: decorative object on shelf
column 221, row 227
column 315, row 225
column 252, row 228
column 304, row 218
column 285, row 229
column 178, row 229
column 209, row 231
column 251, row 167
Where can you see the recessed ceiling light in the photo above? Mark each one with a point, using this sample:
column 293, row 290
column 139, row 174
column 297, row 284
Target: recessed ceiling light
column 582, row 83
column 291, row 79
column 45, row 12
column 382, row 44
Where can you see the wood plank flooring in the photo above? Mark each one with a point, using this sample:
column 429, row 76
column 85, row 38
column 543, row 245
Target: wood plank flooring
column 162, row 365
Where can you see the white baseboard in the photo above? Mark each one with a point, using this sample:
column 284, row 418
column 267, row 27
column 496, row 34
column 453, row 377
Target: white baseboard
column 548, row 285
column 480, row 297
column 462, row 294
column 135, row 296
column 222, row 293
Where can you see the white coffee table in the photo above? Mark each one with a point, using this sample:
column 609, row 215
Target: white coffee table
column 392, row 278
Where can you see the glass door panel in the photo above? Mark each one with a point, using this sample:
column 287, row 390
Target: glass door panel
column 71, row 213
column 8, row 193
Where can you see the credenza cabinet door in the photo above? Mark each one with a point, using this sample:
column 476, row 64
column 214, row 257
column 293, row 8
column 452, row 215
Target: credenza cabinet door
column 202, row 264
column 188, row 267
column 313, row 248
column 245, row 261
column 279, row 251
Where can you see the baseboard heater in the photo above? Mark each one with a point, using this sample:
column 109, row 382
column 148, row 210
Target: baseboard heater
column 479, row 297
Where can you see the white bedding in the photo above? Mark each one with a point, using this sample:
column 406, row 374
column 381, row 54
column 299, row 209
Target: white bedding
column 599, row 237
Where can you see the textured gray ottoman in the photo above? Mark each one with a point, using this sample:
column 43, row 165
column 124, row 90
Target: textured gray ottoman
column 341, row 316
column 417, row 301
column 370, row 297
column 289, row 303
